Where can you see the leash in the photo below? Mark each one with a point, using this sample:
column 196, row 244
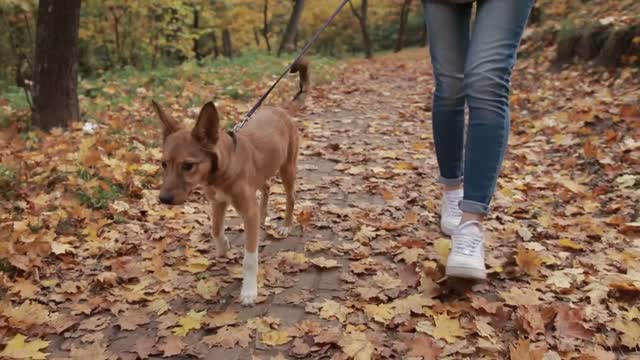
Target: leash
column 306, row 48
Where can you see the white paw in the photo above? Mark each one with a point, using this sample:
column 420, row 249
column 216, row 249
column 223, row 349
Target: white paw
column 282, row 231
column 249, row 293
column 222, row 245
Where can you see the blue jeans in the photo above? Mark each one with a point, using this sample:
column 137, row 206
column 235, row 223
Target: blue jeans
column 473, row 67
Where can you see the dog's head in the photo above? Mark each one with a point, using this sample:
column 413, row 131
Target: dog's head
column 189, row 157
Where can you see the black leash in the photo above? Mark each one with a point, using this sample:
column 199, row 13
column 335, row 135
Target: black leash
column 306, row 48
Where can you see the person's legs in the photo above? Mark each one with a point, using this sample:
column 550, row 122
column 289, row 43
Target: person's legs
column 490, row 59
column 448, row 32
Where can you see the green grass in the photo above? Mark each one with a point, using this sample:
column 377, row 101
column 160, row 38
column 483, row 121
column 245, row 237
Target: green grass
column 194, row 82
column 8, row 181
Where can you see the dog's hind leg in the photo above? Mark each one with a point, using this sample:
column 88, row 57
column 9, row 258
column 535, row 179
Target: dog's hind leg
column 288, row 175
column 218, row 210
column 264, row 201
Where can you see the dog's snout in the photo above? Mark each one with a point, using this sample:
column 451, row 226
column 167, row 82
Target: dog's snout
column 166, row 198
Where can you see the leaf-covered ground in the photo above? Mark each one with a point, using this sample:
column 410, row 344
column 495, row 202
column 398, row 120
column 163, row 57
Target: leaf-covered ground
column 93, row 267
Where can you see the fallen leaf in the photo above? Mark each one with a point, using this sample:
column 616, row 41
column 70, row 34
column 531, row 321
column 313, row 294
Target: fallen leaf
column 528, row 260
column 208, row 288
column 522, row 350
column 18, row 348
column 447, row 328
column 568, row 243
column 275, row 337
column 144, row 346
column 131, row 319
column 191, row 321
column 171, row 346
column 422, row 345
column 330, row 309
column 228, row 337
column 356, row 345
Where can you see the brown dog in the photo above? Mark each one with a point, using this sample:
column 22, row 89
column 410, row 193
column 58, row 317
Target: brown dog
column 232, row 168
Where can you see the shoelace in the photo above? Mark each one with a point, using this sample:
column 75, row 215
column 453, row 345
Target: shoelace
column 467, row 244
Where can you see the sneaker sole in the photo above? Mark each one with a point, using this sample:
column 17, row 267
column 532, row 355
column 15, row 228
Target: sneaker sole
column 466, row 272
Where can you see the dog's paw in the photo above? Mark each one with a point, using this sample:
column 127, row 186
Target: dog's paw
column 222, row 246
column 248, row 294
column 282, row 231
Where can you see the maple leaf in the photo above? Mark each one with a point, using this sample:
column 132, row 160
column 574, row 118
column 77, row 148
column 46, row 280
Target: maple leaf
column 630, row 332
column 356, row 345
column 171, row 346
column 447, row 328
column 442, row 247
column 291, row 261
column 410, row 255
column 382, row 313
column 385, row 281
column 144, row 346
column 192, row 321
column 208, row 288
column 159, row 306
column 227, row 337
column 522, row 350
column 222, row 319
column 517, row 296
column 130, row 319
column 569, row 322
column 196, row 264
column 325, row 263
column 25, row 288
column 422, row 345
column 17, row 348
column 275, row 337
column 411, row 304
column 95, row 351
column 365, row 234
column 27, row 315
column 528, row 260
column 330, row 309
column 94, row 323
column 568, row 243
column 127, row 268
column 317, row 245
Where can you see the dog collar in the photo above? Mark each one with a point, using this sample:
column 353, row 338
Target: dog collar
column 233, row 138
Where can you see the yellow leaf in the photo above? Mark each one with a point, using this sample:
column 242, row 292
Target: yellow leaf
column 568, row 243
column 356, row 345
column 443, row 247
column 17, row 348
column 331, row 309
column 382, row 313
column 325, row 263
column 192, row 321
column 196, row 265
column 275, row 337
column 208, row 289
column 630, row 332
column 528, row 260
column 159, row 306
column 447, row 329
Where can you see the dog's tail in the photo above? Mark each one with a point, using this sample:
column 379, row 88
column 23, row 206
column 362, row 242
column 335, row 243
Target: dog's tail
column 302, row 67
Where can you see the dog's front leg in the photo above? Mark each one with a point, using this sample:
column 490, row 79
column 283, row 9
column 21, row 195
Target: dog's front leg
column 247, row 206
column 218, row 210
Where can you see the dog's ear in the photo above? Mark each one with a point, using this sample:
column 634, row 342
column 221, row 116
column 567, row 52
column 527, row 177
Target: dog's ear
column 169, row 124
column 206, row 129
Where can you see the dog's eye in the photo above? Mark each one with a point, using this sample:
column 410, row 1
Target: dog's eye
column 164, row 164
column 187, row 166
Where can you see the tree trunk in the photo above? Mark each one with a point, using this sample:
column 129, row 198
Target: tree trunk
column 196, row 25
column 214, row 39
column 404, row 15
column 265, row 24
column 227, row 50
column 362, row 19
column 292, row 26
column 256, row 37
column 56, row 64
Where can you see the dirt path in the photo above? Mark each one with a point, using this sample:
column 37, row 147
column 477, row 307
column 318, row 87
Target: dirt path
column 361, row 275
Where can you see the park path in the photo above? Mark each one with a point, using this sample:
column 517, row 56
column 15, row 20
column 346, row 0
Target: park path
column 361, row 274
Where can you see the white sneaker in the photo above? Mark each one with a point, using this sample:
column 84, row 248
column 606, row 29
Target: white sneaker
column 450, row 213
column 466, row 259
